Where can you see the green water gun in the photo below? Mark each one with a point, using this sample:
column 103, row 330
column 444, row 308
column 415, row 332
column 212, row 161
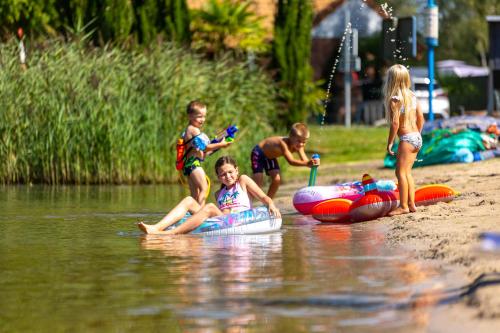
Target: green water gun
column 314, row 171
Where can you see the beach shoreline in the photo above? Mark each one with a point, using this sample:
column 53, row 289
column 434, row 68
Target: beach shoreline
column 444, row 235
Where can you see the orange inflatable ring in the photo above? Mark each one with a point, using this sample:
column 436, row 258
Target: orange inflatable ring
column 333, row 210
column 432, row 194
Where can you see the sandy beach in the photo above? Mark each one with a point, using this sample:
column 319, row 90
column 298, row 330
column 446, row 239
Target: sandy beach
column 445, row 234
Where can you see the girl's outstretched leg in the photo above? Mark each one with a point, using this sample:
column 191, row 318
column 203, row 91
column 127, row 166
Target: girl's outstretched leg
column 194, row 221
column 187, row 204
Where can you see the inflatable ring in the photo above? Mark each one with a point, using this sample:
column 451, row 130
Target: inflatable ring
column 252, row 221
column 432, row 194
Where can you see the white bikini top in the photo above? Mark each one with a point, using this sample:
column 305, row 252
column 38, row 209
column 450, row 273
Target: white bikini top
column 234, row 199
column 413, row 102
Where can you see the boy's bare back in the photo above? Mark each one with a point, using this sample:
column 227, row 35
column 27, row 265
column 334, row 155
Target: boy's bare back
column 273, row 147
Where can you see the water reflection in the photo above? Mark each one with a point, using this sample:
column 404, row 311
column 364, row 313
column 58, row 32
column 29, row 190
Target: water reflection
column 219, row 268
column 318, row 277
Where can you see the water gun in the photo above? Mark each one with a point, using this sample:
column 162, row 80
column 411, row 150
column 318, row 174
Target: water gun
column 228, row 134
column 314, row 171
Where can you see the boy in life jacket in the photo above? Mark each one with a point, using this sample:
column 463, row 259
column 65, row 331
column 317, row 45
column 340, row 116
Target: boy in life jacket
column 193, row 149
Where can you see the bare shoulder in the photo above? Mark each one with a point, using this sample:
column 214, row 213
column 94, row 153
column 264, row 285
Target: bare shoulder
column 285, row 143
column 395, row 100
column 244, row 180
column 192, row 130
column 395, row 104
column 271, row 140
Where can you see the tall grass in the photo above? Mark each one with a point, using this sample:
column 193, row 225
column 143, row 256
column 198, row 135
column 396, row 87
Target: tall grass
column 80, row 115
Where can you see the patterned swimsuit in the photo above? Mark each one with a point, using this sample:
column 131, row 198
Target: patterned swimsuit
column 413, row 138
column 234, row 199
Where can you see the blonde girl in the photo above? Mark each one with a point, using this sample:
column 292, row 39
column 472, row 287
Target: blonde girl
column 405, row 119
column 232, row 197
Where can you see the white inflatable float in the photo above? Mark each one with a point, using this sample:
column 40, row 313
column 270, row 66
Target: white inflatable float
column 249, row 222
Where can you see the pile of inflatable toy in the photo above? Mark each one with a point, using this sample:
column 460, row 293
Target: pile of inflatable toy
column 462, row 139
column 356, row 202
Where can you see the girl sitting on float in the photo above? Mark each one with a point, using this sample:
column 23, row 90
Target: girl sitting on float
column 233, row 197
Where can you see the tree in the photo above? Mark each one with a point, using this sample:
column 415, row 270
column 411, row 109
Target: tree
column 291, row 56
column 227, row 25
column 459, row 21
column 464, row 30
column 118, row 19
column 30, row 15
column 177, row 19
column 146, row 20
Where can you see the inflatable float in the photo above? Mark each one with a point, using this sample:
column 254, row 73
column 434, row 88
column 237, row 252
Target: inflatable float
column 432, row 194
column 306, row 198
column 333, row 210
column 375, row 203
column 252, row 221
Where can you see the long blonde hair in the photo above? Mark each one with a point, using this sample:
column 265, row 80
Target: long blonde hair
column 398, row 85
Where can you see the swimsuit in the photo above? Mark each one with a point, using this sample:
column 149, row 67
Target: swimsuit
column 413, row 102
column 192, row 162
column 260, row 162
column 413, row 138
column 234, row 199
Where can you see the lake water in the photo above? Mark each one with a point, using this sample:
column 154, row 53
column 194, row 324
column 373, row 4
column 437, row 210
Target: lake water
column 72, row 260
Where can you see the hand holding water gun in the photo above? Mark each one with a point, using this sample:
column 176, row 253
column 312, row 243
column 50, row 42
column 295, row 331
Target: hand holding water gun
column 227, row 135
column 314, row 161
column 314, row 169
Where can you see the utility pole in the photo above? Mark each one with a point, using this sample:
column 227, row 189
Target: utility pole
column 431, row 39
column 347, row 67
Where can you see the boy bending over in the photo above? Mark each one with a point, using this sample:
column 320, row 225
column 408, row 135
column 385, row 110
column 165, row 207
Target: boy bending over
column 264, row 156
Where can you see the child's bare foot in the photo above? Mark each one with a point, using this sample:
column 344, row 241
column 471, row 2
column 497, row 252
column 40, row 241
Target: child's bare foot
column 148, row 229
column 412, row 208
column 398, row 211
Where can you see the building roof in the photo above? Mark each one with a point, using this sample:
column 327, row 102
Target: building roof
column 366, row 17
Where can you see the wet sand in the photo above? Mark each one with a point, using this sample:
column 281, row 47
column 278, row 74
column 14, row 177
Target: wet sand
column 446, row 234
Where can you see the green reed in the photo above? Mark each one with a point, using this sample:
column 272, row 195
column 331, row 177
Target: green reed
column 81, row 115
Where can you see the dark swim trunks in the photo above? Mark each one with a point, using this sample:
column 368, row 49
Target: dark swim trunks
column 260, row 162
column 190, row 164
